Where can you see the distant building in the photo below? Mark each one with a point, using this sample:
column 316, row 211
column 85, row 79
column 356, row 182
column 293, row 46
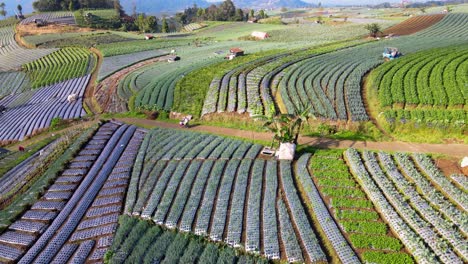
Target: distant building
column 260, row 35
column 234, row 52
column 253, row 20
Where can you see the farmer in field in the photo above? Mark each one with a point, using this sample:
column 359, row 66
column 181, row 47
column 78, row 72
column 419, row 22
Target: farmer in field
column 184, row 122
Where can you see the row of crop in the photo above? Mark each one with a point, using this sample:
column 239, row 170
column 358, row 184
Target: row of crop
column 137, row 240
column 12, row 83
column 173, row 187
column 12, row 55
column 441, row 225
column 159, row 92
column 429, row 117
column 429, row 169
column 427, row 78
column 354, row 213
column 434, row 196
column 408, row 237
column 112, row 64
column 64, row 17
column 67, row 221
column 62, row 65
column 100, row 221
column 46, row 207
column 410, row 216
column 37, row 109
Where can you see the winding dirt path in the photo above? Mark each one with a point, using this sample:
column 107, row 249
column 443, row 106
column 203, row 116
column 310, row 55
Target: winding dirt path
column 453, row 150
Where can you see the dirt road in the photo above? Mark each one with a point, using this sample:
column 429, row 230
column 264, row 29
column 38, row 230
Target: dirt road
column 453, row 150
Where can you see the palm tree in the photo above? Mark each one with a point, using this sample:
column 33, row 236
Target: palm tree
column 285, row 127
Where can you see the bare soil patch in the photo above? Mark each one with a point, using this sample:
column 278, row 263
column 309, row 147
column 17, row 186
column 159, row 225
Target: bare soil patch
column 414, row 24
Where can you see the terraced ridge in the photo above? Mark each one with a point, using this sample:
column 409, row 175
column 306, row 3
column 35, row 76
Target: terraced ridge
column 62, row 65
column 12, row 55
column 429, row 220
column 76, row 218
column 235, row 90
column 219, row 188
column 29, row 112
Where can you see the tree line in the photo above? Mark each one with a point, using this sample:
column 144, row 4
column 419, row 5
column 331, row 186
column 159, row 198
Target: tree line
column 226, row 11
column 64, row 5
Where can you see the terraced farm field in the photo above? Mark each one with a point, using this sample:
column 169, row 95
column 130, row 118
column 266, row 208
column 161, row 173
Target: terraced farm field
column 29, row 112
column 66, row 18
column 77, row 216
column 61, row 65
column 428, row 86
column 13, row 56
column 215, row 187
column 331, row 83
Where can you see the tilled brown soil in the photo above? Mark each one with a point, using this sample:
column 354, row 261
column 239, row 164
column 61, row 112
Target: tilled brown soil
column 414, row 24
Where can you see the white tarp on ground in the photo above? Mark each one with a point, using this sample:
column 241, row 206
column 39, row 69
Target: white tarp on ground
column 464, row 162
column 286, row 151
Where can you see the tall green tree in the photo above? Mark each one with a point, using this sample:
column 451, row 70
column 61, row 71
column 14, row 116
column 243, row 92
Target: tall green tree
column 118, row 8
column 228, row 9
column 164, row 26
column 262, row 14
column 373, row 29
column 20, row 10
column 3, row 12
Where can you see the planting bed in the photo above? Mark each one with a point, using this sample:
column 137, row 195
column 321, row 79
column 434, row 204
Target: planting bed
column 139, row 241
column 425, row 87
column 13, row 83
column 77, row 215
column 29, row 112
column 61, row 65
column 66, row 18
column 218, row 188
column 426, row 222
column 12, row 56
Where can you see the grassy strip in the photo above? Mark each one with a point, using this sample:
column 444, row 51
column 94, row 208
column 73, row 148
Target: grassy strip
column 337, row 192
column 375, row 242
column 18, row 157
column 384, row 258
column 24, row 201
column 374, row 228
column 348, row 203
column 356, row 214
